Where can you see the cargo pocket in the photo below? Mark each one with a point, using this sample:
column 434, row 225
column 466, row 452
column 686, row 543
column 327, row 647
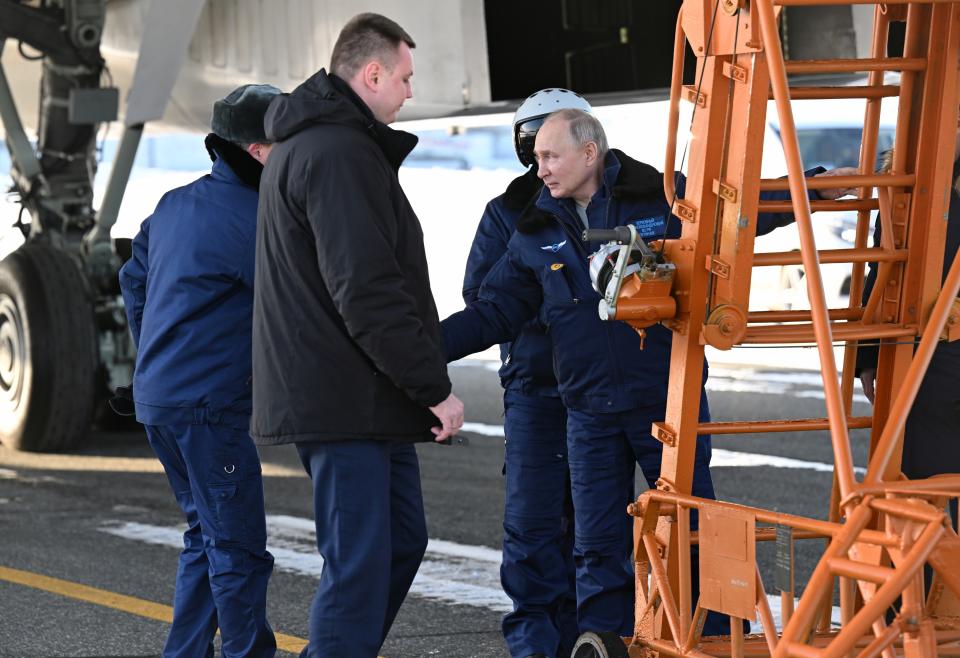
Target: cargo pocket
column 229, row 513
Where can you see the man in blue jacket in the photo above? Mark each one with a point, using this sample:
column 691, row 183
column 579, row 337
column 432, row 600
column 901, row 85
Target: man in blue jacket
column 188, row 290
column 612, row 390
column 537, row 571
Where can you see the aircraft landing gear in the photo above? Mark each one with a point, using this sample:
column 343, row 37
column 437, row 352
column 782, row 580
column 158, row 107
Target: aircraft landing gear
column 48, row 350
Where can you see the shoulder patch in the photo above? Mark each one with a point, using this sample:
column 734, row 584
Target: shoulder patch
column 553, row 247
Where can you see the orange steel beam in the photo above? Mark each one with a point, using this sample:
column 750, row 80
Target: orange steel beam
column 823, row 528
column 806, row 67
column 827, row 182
column 825, row 206
column 861, row 255
column 823, row 93
column 799, row 333
column 770, row 426
column 719, row 228
column 759, row 317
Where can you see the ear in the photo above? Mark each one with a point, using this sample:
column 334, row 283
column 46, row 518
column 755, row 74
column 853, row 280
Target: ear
column 258, row 152
column 371, row 74
column 590, row 149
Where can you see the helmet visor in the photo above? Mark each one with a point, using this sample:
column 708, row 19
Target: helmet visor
column 530, row 127
column 525, row 134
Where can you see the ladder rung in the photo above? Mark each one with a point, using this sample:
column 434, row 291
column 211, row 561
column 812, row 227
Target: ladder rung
column 843, row 205
column 770, row 534
column 803, row 333
column 771, row 426
column 829, row 182
column 859, row 571
column 824, row 93
column 829, row 256
column 808, row 66
column 755, row 317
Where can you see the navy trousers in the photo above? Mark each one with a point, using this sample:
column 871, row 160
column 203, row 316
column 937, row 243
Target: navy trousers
column 537, row 572
column 371, row 533
column 603, row 450
column 214, row 472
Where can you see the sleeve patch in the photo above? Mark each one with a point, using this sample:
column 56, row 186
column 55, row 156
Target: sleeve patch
column 650, row 227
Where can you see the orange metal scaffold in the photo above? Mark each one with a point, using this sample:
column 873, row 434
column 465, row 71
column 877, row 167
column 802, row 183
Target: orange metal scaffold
column 880, row 531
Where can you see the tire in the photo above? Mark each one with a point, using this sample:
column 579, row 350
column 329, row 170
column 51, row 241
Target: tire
column 48, row 350
column 600, row 645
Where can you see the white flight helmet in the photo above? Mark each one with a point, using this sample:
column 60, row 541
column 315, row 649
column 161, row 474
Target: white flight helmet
column 532, row 112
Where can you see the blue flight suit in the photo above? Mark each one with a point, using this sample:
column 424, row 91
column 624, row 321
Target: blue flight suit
column 612, row 389
column 537, row 571
column 188, row 290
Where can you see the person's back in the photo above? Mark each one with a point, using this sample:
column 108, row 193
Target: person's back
column 188, row 291
column 194, row 345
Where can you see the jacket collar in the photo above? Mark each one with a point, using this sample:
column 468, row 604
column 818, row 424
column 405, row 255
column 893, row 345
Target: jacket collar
column 231, row 163
column 395, row 144
column 328, row 99
column 623, row 178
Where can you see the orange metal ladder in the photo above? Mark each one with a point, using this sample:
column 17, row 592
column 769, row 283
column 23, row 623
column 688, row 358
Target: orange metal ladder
column 882, row 530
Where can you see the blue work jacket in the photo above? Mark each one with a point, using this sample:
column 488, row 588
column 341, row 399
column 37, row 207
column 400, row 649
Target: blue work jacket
column 188, row 290
column 545, row 275
column 527, row 360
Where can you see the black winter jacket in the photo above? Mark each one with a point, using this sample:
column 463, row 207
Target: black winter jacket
column 346, row 339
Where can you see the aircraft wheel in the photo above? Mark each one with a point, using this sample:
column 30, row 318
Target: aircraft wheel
column 48, row 350
column 600, row 645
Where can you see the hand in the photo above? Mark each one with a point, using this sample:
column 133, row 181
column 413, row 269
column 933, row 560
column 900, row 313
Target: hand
column 450, row 413
column 837, row 192
column 867, row 378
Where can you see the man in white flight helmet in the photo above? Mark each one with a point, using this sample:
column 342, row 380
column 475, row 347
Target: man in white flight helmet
column 537, row 572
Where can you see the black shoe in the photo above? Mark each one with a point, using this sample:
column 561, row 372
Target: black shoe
column 537, row 655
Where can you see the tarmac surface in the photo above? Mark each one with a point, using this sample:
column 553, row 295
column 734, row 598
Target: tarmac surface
column 89, row 540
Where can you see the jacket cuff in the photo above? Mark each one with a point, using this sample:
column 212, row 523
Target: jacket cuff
column 435, row 395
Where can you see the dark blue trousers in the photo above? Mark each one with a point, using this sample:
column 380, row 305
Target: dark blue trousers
column 603, row 450
column 537, row 572
column 214, row 472
column 371, row 533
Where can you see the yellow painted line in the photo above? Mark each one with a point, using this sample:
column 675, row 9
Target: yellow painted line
column 107, row 599
column 12, row 459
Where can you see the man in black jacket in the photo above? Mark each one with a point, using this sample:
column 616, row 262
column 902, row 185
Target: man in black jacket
column 347, row 353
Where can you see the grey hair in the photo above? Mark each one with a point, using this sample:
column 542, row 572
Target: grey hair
column 584, row 128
